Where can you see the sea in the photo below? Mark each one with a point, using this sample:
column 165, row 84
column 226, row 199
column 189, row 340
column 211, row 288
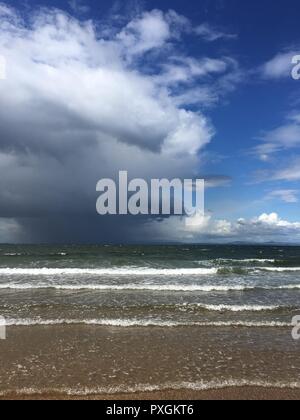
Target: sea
column 84, row 320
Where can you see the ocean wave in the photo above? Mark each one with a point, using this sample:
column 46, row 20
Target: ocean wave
column 257, row 270
column 279, row 269
column 234, row 270
column 235, row 308
column 146, row 287
column 13, row 254
column 247, row 260
column 185, row 307
column 142, row 271
column 131, row 287
column 127, row 323
column 141, row 388
column 24, row 254
column 220, row 307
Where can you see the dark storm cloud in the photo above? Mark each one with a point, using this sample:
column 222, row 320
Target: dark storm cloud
column 77, row 107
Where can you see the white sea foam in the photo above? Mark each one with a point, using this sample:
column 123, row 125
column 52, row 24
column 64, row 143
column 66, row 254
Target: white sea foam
column 139, row 271
column 237, row 308
column 129, row 271
column 247, row 260
column 167, row 386
column 146, row 287
column 279, row 269
column 138, row 287
column 127, row 323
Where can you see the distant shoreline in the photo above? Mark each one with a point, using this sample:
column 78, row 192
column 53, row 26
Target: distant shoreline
column 153, row 244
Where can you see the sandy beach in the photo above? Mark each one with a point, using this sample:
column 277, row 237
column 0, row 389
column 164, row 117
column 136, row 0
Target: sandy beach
column 238, row 393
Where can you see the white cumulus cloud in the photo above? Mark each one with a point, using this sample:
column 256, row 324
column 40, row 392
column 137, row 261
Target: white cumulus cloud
column 284, row 137
column 280, row 66
column 261, row 229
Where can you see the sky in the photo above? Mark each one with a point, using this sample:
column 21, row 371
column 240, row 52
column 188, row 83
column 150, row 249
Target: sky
column 170, row 89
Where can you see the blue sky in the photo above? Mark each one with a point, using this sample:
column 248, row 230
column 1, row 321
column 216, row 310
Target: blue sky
column 234, row 67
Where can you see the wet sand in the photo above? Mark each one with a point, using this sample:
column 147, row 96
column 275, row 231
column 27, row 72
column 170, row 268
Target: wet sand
column 242, row 393
column 88, row 362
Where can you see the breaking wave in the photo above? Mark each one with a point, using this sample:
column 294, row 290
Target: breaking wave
column 147, row 287
column 126, row 323
column 142, row 271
